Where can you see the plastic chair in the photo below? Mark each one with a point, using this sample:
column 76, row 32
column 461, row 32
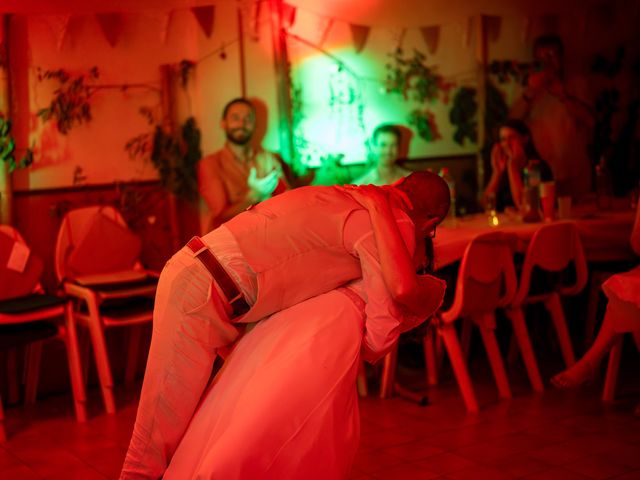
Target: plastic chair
column 552, row 250
column 116, row 295
column 486, row 281
column 29, row 319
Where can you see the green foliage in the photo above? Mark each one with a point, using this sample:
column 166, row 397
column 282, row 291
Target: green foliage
column 412, row 78
column 174, row 156
column 425, row 124
column 463, row 115
column 8, row 146
column 411, row 73
column 70, row 104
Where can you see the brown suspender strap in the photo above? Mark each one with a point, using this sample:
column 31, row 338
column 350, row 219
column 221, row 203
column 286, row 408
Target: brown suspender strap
column 222, row 278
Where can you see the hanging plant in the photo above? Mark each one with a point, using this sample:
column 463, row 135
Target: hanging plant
column 174, row 156
column 70, row 104
column 414, row 80
column 8, row 146
column 463, row 116
column 424, row 122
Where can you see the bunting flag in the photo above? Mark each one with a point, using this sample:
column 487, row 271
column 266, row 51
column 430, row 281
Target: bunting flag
column 254, row 15
column 431, row 36
column 359, row 34
column 288, row 15
column 205, row 16
column 165, row 23
column 111, row 26
column 59, row 25
column 323, row 29
column 493, row 25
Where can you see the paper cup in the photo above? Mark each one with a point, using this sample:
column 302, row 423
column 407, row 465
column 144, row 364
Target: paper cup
column 548, row 200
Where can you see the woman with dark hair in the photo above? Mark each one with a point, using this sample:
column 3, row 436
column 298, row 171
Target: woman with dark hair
column 513, row 152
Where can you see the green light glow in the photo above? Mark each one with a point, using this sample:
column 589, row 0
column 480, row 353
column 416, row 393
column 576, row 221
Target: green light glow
column 338, row 107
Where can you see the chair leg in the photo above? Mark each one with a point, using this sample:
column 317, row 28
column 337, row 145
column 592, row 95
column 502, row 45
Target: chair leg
column 592, row 310
column 84, row 346
column 452, row 345
column 33, row 356
column 389, row 372
column 135, row 337
column 487, row 325
column 3, row 434
column 13, row 383
column 101, row 356
column 554, row 306
column 526, row 350
column 75, row 367
column 430, row 357
column 361, row 381
column 465, row 336
column 609, row 391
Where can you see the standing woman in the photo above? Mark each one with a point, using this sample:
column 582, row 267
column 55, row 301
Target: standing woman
column 514, row 151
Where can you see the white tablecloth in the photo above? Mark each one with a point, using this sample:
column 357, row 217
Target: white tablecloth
column 605, row 235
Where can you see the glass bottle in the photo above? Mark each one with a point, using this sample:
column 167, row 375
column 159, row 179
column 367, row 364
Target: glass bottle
column 531, row 192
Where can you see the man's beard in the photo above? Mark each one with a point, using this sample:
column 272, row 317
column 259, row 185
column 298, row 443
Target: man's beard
column 242, row 139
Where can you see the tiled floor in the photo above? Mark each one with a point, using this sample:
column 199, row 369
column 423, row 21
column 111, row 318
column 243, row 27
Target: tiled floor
column 554, row 435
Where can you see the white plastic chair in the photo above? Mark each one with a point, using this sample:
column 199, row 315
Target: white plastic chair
column 38, row 317
column 96, row 295
column 552, row 249
column 486, row 281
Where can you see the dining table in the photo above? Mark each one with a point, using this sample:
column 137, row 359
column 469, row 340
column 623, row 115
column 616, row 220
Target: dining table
column 604, row 234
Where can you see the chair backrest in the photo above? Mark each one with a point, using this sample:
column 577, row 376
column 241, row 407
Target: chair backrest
column 487, row 277
column 79, row 229
column 17, row 283
column 554, row 248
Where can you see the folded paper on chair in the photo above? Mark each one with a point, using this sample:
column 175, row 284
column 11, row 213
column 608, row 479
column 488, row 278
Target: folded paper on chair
column 14, row 283
column 107, row 247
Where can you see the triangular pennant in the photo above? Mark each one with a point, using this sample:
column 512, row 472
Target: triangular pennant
column 165, row 23
column 59, row 25
column 359, row 34
column 288, row 15
column 431, row 36
column 324, row 27
column 111, row 26
column 204, row 16
column 493, row 25
column 255, row 21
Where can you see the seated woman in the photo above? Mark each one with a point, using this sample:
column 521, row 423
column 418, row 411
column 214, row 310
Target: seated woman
column 622, row 315
column 284, row 404
column 385, row 145
column 509, row 157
